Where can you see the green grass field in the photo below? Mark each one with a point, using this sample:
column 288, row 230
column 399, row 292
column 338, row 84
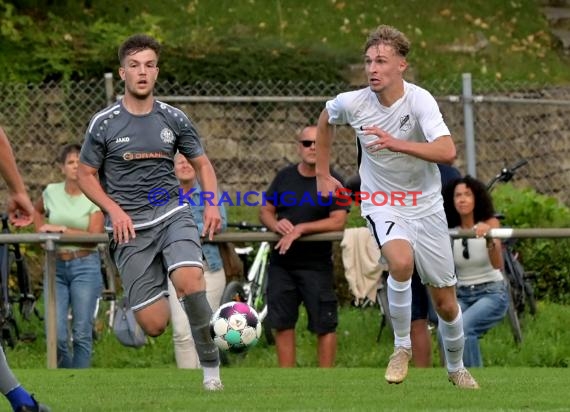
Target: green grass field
column 534, row 376
column 301, row 389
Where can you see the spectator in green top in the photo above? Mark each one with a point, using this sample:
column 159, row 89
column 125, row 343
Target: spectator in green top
column 64, row 208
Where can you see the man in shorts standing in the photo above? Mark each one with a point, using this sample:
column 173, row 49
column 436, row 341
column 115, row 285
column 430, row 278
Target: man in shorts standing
column 301, row 271
column 131, row 146
column 401, row 136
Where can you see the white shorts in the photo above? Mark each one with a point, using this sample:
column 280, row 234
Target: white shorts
column 429, row 239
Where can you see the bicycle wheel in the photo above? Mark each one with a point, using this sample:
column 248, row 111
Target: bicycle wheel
column 514, row 274
column 514, row 320
column 382, row 299
column 268, row 333
column 233, row 292
column 515, row 324
column 529, row 292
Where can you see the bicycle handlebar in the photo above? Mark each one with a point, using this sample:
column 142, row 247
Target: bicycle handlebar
column 506, row 173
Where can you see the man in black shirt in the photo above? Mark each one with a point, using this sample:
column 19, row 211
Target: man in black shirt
column 302, row 271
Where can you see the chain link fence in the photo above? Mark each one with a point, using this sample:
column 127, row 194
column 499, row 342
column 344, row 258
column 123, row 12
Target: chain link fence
column 249, row 128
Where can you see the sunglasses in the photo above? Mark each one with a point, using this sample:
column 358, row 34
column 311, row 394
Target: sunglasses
column 308, row 143
column 465, row 248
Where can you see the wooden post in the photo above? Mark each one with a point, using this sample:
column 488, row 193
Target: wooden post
column 51, row 316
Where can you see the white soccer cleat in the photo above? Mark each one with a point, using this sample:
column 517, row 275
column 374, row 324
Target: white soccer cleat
column 397, row 369
column 463, row 379
column 213, row 385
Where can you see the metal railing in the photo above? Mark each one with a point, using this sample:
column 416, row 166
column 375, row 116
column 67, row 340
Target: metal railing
column 52, row 239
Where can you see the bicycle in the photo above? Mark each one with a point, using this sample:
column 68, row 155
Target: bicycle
column 518, row 280
column 12, row 261
column 109, row 274
column 252, row 289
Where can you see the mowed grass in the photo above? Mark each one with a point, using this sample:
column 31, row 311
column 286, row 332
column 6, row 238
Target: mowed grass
column 301, row 389
column 125, row 379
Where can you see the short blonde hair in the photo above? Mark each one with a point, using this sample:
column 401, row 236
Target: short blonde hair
column 389, row 36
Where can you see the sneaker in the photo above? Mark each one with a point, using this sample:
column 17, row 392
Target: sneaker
column 213, row 385
column 463, row 379
column 398, row 366
column 36, row 407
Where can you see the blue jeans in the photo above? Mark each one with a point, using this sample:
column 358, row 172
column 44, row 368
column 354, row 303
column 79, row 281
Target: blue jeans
column 79, row 284
column 483, row 306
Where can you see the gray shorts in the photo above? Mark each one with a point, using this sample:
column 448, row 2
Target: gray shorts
column 145, row 262
column 429, row 239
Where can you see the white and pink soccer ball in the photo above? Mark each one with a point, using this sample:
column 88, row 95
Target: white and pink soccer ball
column 235, row 327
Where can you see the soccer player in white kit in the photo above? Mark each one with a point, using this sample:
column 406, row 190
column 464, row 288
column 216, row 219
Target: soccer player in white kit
column 400, row 136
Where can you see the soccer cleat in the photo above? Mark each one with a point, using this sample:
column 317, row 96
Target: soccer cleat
column 463, row 379
column 213, row 385
column 36, row 407
column 398, row 366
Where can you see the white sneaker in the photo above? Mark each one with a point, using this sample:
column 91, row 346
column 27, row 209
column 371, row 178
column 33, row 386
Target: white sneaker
column 213, row 385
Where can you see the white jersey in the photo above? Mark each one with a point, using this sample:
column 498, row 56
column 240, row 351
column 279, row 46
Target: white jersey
column 401, row 184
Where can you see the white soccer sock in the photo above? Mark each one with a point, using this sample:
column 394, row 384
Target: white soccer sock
column 211, row 373
column 400, row 303
column 453, row 341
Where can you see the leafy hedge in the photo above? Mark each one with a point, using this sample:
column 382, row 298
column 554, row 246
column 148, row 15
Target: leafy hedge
column 547, row 259
column 63, row 47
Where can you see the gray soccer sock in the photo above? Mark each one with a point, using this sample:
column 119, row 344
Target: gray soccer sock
column 199, row 312
column 7, row 379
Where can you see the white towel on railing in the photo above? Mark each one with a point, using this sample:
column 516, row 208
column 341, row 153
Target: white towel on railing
column 361, row 256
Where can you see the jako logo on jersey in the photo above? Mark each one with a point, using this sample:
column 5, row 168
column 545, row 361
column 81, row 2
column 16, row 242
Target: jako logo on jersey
column 125, row 139
column 167, row 136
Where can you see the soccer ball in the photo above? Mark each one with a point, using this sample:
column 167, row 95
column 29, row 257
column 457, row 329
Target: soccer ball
column 235, row 327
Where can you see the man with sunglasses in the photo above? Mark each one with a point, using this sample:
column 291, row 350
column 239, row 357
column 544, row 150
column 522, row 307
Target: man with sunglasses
column 302, row 271
column 401, row 136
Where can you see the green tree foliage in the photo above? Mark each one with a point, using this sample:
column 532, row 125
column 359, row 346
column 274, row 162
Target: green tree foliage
column 277, row 39
column 547, row 259
column 78, row 40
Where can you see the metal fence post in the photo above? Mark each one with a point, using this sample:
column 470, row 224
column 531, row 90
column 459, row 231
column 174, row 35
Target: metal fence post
column 51, row 338
column 470, row 158
column 109, row 89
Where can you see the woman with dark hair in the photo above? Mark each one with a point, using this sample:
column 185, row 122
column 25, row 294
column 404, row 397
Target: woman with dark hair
column 481, row 289
column 64, row 208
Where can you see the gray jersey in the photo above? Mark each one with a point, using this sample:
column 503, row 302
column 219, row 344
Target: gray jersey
column 134, row 156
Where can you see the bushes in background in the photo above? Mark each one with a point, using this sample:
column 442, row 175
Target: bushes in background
column 548, row 259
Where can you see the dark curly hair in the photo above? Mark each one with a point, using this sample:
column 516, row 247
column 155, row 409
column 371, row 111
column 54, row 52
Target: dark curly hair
column 483, row 208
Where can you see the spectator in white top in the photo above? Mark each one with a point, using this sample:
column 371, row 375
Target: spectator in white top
column 481, row 288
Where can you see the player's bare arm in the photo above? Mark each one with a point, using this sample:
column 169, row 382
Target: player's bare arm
column 326, row 183
column 123, row 228
column 20, row 208
column 441, row 150
column 207, row 178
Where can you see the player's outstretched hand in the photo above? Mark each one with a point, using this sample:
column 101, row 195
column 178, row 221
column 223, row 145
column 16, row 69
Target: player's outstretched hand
column 385, row 140
column 212, row 222
column 20, row 209
column 327, row 185
column 123, row 228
